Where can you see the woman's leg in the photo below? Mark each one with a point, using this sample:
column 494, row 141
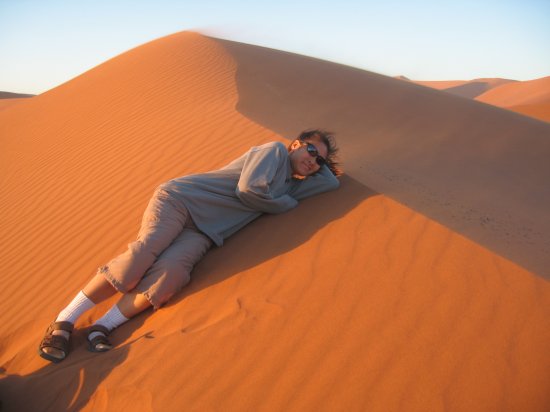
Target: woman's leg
column 127, row 307
column 99, row 289
column 132, row 304
column 170, row 272
column 162, row 221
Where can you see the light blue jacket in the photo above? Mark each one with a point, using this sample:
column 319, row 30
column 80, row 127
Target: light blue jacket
column 223, row 201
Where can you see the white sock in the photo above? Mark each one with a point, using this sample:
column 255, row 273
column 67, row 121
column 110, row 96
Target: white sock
column 112, row 319
column 80, row 304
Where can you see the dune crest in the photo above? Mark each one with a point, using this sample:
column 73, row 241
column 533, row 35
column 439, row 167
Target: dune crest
column 530, row 98
column 466, row 88
column 359, row 299
column 8, row 99
column 467, row 165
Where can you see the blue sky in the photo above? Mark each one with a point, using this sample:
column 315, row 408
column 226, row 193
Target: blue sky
column 44, row 43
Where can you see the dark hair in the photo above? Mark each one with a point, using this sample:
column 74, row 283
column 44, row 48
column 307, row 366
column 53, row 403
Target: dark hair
column 327, row 138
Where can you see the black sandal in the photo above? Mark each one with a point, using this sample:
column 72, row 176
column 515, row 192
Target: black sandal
column 58, row 342
column 99, row 343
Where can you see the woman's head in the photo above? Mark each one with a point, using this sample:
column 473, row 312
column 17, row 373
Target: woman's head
column 310, row 150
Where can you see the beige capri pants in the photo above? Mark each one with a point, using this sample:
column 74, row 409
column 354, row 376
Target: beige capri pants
column 159, row 263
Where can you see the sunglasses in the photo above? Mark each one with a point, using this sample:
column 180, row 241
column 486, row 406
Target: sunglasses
column 313, row 152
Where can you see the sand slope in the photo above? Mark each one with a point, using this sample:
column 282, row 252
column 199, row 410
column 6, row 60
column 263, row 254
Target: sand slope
column 466, row 88
column 5, row 103
column 11, row 95
column 352, row 301
column 7, row 99
column 518, row 93
column 470, row 166
column 530, row 98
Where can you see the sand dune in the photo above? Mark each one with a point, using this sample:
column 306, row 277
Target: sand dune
column 7, row 99
column 518, row 93
column 441, row 84
column 537, row 110
column 466, row 88
column 468, row 165
column 530, row 98
column 5, row 103
column 418, row 285
column 11, row 95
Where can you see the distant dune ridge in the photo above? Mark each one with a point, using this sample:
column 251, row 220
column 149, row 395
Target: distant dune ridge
column 421, row 284
column 466, row 88
column 10, row 95
column 9, row 98
column 531, row 98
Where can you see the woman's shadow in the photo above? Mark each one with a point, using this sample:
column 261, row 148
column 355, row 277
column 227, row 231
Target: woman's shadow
column 70, row 385
column 273, row 235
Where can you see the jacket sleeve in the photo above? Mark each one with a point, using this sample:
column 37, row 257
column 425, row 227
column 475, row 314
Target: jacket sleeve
column 322, row 181
column 259, row 169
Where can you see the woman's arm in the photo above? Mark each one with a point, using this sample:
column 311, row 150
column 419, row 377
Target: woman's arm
column 322, row 181
column 259, row 169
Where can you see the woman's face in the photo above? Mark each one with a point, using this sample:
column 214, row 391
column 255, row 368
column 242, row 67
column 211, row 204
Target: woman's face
column 302, row 162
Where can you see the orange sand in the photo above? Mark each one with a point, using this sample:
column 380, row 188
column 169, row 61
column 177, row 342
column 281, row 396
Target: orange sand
column 441, row 84
column 537, row 110
column 465, row 88
column 389, row 294
column 530, row 98
column 5, row 103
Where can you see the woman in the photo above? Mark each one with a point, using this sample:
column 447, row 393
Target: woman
column 184, row 218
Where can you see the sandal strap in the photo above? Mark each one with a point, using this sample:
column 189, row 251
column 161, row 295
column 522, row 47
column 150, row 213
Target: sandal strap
column 99, row 339
column 99, row 328
column 56, row 342
column 63, row 325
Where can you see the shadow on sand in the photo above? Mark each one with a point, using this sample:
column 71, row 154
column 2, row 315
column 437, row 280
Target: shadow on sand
column 69, row 385
column 477, row 169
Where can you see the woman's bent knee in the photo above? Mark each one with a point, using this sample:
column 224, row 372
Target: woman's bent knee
column 163, row 280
